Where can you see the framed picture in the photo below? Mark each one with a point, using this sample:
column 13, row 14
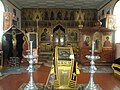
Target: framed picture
column 110, row 22
column 107, row 41
column 86, row 41
column 72, row 36
column 7, row 20
column 33, row 36
column 45, row 35
column 97, row 37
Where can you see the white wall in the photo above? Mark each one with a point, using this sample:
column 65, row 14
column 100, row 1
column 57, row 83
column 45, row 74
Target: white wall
column 9, row 7
column 109, row 6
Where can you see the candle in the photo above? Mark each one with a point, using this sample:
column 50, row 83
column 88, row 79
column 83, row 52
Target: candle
column 30, row 47
column 93, row 48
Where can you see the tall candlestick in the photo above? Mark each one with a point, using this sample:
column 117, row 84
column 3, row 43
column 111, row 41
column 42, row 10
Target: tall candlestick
column 91, row 85
column 31, row 47
column 93, row 48
column 31, row 85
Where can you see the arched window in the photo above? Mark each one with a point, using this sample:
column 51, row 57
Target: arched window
column 116, row 12
column 1, row 18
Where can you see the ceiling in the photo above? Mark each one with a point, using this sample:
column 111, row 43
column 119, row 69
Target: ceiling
column 77, row 4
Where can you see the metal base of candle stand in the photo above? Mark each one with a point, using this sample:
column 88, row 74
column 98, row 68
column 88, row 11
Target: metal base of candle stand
column 91, row 85
column 30, row 86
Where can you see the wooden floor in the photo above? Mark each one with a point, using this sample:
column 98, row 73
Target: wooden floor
column 13, row 82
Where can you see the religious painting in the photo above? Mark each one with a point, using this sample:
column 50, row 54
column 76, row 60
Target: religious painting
column 86, row 41
column 59, row 16
column 45, row 35
column 110, row 22
column 107, row 41
column 46, row 15
column 52, row 16
column 25, row 45
column 72, row 17
column 97, row 39
column 7, row 20
column 72, row 36
column 66, row 16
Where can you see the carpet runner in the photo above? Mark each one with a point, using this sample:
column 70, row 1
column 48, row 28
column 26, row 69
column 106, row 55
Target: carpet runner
column 15, row 70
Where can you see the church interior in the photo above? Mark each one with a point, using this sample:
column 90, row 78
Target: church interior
column 59, row 45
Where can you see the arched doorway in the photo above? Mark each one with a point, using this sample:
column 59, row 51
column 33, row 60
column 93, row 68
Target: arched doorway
column 116, row 13
column 58, row 36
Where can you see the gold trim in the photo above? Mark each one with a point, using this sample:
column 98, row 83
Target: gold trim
column 116, row 65
column 64, row 69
